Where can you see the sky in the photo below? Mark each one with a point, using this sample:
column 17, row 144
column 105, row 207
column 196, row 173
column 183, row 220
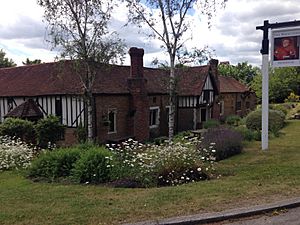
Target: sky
column 232, row 35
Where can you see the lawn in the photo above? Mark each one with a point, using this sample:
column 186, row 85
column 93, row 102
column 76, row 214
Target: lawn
column 252, row 177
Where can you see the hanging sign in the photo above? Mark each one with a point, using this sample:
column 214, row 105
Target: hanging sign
column 285, row 45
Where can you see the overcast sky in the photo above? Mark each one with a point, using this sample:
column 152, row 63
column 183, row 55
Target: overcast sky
column 232, row 35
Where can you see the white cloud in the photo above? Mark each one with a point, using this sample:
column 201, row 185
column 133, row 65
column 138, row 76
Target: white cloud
column 233, row 34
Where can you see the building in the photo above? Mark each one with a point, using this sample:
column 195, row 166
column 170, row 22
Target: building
column 235, row 98
column 129, row 101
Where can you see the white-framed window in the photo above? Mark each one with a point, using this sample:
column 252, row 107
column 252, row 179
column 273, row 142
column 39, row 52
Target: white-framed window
column 112, row 118
column 154, row 117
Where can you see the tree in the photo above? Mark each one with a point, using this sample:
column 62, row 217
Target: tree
column 282, row 81
column 4, row 61
column 168, row 22
column 79, row 29
column 242, row 71
column 32, row 62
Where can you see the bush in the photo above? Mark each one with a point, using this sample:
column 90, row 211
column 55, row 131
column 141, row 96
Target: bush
column 49, row 130
column 276, row 120
column 249, row 135
column 280, row 107
column 233, row 120
column 292, row 98
column 226, row 142
column 52, row 165
column 18, row 128
column 81, row 134
column 14, row 154
column 211, row 124
column 94, row 166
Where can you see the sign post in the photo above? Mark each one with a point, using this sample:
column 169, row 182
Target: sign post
column 291, row 56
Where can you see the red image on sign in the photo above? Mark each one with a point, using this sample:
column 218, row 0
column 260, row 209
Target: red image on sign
column 286, row 48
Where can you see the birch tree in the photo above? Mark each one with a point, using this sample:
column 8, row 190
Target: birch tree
column 78, row 29
column 168, row 21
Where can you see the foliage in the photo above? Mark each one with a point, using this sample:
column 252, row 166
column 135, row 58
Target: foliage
column 94, row 166
column 18, row 128
column 233, row 120
column 282, row 81
column 49, row 129
column 211, row 123
column 4, row 61
column 279, row 107
column 292, row 98
column 79, row 29
column 81, row 134
column 247, row 134
column 228, row 142
column 242, row 71
column 276, row 120
column 52, row 165
column 32, row 62
column 14, row 154
column 168, row 164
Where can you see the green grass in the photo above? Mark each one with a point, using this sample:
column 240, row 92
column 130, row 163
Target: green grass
column 253, row 177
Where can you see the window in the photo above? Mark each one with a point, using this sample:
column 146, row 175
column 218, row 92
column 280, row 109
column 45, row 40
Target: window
column 58, row 108
column 154, row 117
column 238, row 106
column 221, row 107
column 112, row 118
column 206, row 96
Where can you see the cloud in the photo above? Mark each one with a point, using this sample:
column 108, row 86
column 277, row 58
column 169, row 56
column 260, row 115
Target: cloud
column 23, row 28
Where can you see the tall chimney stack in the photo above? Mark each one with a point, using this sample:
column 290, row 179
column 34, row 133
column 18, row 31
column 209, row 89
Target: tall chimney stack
column 140, row 100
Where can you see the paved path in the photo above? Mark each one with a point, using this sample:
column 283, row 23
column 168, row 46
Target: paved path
column 283, row 217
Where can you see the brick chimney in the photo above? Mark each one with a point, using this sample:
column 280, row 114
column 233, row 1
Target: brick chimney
column 213, row 67
column 140, row 102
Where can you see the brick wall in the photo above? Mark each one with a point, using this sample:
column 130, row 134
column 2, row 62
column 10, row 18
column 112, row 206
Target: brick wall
column 124, row 117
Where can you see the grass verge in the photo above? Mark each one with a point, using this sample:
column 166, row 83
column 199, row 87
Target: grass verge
column 253, row 177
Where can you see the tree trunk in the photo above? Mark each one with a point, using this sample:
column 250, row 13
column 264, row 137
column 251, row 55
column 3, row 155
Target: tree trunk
column 172, row 96
column 90, row 136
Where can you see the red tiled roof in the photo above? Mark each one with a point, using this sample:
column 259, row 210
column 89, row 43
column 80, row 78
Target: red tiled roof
column 27, row 109
column 231, row 85
column 60, row 78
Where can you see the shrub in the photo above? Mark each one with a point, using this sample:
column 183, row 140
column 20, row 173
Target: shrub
column 227, row 142
column 276, row 120
column 81, row 134
column 51, row 165
column 247, row 134
column 292, row 98
column 280, row 107
column 233, row 120
column 17, row 128
column 211, row 124
column 49, row 130
column 14, row 154
column 94, row 166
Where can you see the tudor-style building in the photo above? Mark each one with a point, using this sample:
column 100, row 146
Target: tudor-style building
column 130, row 101
column 235, row 98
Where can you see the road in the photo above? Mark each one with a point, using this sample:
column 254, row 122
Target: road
column 281, row 217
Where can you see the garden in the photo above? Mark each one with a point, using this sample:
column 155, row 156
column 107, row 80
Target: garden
column 134, row 181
